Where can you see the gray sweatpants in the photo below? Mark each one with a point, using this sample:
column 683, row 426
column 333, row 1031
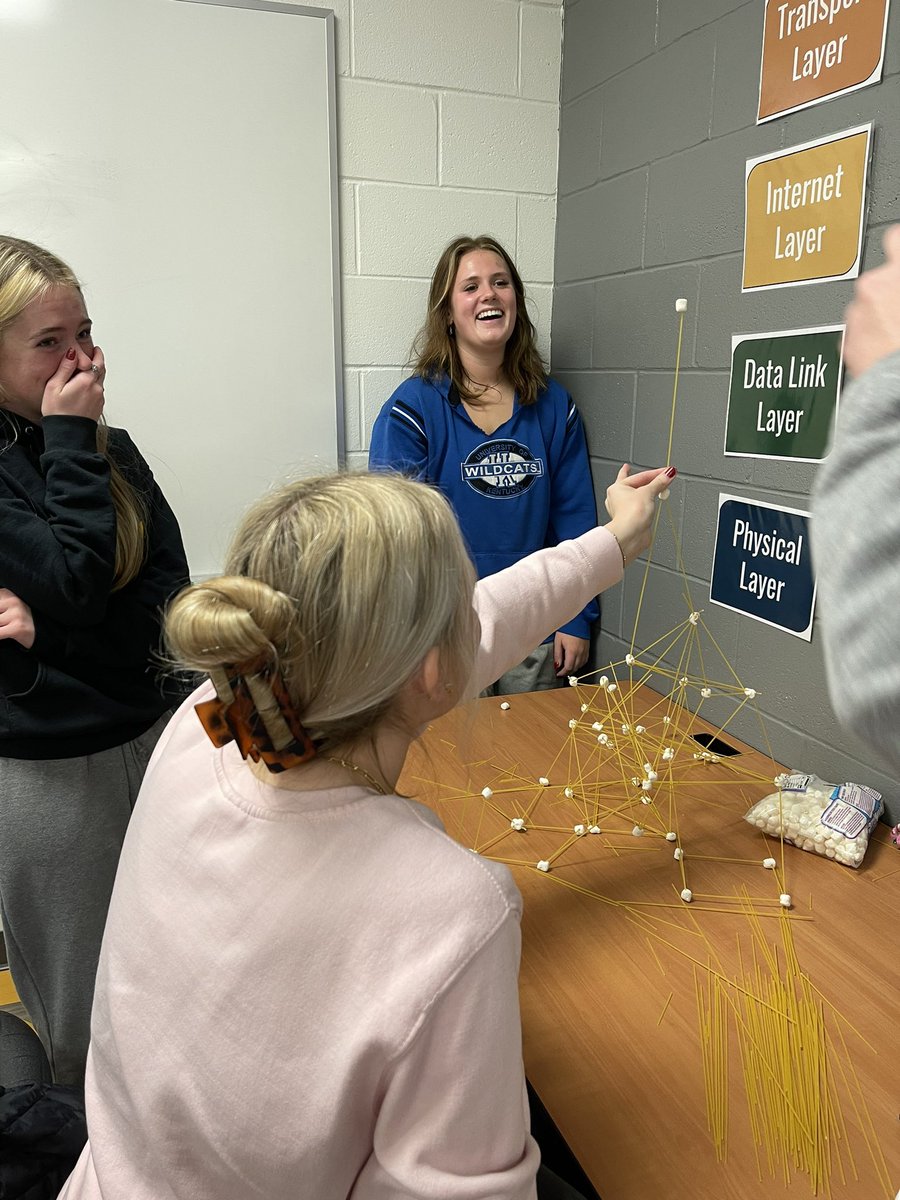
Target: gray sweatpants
column 535, row 673
column 62, row 824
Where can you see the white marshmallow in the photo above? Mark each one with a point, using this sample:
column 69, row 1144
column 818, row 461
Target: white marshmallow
column 678, row 855
column 594, row 829
column 681, row 305
column 573, row 724
column 671, row 836
column 784, row 900
column 573, row 681
column 487, row 793
column 629, row 658
column 637, row 831
column 505, row 705
column 769, row 864
column 544, row 781
column 569, row 793
column 687, row 895
column 579, row 830
column 543, row 865
column 517, row 823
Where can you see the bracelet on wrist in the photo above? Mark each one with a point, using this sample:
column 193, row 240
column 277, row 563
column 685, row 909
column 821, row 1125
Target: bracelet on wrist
column 621, row 551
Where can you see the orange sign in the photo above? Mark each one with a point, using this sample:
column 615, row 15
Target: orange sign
column 804, row 211
column 817, row 49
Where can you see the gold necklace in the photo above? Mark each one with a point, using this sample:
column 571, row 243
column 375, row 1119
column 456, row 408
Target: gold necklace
column 351, row 766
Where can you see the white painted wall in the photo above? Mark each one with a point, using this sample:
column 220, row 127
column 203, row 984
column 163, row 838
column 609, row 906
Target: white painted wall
column 448, row 117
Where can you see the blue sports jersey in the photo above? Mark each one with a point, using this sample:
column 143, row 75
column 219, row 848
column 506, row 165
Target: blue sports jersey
column 525, row 486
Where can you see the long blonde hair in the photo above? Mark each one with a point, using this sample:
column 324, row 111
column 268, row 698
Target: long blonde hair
column 343, row 583
column 27, row 273
column 435, row 351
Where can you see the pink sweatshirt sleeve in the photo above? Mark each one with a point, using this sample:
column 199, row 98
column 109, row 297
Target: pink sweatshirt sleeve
column 522, row 605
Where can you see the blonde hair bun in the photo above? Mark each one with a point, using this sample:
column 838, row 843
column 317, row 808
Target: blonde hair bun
column 231, row 621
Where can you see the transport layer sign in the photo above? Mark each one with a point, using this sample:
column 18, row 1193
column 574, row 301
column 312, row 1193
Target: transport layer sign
column 815, row 50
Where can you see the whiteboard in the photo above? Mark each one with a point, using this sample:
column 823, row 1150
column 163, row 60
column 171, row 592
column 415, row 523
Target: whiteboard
column 180, row 155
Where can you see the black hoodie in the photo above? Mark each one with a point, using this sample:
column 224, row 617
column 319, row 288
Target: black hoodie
column 90, row 681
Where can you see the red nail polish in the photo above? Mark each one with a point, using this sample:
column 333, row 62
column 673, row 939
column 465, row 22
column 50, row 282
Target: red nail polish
column 671, row 473
column 556, row 666
column 70, row 353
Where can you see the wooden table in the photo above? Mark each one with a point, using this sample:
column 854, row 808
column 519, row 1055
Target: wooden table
column 611, row 974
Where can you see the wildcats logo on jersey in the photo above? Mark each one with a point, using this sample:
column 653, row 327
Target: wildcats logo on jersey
column 501, row 469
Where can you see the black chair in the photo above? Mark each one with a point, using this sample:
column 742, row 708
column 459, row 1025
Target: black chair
column 42, row 1124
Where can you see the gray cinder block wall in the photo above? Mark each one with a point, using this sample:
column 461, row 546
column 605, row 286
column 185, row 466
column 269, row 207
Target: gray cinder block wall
column 657, row 119
column 447, row 124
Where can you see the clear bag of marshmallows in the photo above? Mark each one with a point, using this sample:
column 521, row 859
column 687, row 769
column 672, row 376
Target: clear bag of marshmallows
column 832, row 820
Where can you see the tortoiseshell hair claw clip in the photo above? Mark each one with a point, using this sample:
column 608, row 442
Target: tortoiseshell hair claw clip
column 255, row 711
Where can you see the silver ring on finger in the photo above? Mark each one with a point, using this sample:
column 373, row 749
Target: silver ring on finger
column 97, row 371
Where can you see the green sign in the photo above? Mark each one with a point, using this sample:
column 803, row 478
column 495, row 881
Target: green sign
column 784, row 393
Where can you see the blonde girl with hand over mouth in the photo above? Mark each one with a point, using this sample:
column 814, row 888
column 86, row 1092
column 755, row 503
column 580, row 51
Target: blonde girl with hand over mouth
column 90, row 552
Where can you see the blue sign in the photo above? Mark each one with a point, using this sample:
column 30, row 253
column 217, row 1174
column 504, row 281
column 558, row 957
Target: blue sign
column 762, row 565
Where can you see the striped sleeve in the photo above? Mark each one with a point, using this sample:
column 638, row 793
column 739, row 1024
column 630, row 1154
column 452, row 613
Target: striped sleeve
column 399, row 440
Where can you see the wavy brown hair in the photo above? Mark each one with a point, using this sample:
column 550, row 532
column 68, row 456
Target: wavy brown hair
column 435, row 352
column 27, row 273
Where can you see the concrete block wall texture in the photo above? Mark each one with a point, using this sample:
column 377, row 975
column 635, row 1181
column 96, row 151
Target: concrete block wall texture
column 448, row 119
column 658, row 118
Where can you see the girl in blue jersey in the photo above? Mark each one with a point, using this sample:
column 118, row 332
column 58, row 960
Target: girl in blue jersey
column 481, row 419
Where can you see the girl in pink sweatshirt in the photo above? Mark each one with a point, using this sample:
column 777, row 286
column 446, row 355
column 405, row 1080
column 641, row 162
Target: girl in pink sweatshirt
column 306, row 988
